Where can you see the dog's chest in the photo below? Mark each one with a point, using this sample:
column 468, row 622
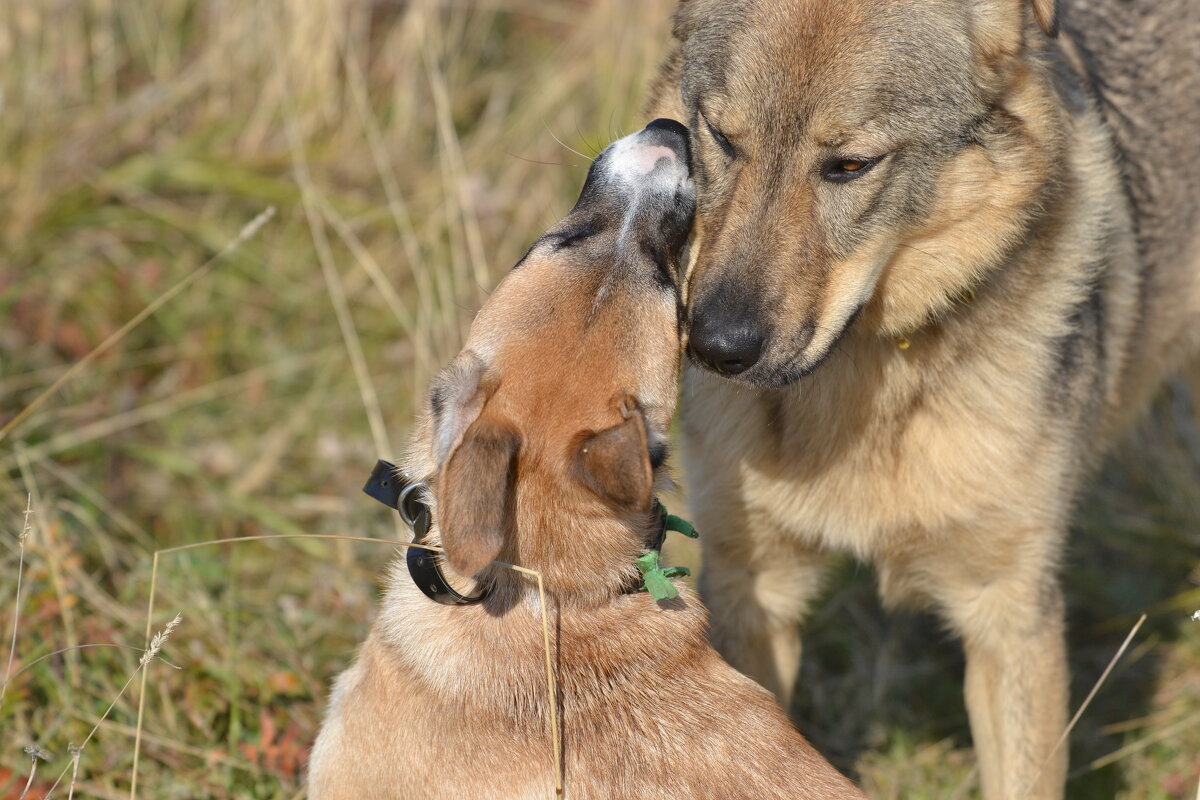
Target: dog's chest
column 868, row 454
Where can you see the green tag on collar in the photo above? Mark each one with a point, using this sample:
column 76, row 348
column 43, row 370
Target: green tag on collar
column 656, row 579
column 681, row 525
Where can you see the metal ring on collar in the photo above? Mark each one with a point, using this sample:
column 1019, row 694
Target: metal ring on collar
column 388, row 486
column 409, row 504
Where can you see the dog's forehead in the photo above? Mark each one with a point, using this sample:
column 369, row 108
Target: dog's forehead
column 560, row 345
column 839, row 68
column 552, row 313
column 546, row 296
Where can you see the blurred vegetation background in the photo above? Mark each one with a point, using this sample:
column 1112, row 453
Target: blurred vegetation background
column 412, row 149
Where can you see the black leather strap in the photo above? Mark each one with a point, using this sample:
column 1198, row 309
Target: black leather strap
column 385, row 484
column 389, row 486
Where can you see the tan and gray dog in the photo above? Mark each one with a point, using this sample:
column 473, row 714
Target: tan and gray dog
column 988, row 241
column 541, row 446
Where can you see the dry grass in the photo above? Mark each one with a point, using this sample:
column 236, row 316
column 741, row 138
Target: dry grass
column 410, row 149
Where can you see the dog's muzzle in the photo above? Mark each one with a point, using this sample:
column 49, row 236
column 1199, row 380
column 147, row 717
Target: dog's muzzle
column 657, row 159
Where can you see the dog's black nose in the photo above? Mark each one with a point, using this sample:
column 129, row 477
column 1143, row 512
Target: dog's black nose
column 662, row 123
column 729, row 349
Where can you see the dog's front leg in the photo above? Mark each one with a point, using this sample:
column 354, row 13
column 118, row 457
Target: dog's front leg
column 758, row 579
column 1010, row 617
column 758, row 584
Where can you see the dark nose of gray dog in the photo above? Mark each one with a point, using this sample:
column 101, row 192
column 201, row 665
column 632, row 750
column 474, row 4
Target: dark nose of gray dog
column 725, row 346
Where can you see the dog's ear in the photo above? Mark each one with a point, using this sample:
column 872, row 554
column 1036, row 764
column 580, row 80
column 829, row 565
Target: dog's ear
column 1046, row 14
column 455, row 400
column 690, row 15
column 615, row 463
column 999, row 25
column 475, row 495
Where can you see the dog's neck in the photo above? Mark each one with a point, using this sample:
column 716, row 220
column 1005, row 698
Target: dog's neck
column 584, row 560
column 600, row 579
column 493, row 652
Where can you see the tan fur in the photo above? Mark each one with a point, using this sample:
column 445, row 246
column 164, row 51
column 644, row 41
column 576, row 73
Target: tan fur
column 577, row 364
column 1037, row 322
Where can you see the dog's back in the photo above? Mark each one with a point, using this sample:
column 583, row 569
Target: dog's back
column 1142, row 61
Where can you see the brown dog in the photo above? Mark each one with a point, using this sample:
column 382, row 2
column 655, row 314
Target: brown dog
column 982, row 245
column 541, row 447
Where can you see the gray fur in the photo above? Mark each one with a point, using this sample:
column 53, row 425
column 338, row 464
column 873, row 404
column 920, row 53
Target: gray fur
column 952, row 339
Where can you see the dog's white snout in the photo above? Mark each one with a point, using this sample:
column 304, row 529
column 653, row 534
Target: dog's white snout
column 634, row 160
column 643, row 159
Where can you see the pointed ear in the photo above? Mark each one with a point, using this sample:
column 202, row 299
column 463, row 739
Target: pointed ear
column 690, row 15
column 474, row 493
column 1046, row 14
column 455, row 400
column 615, row 463
column 999, row 25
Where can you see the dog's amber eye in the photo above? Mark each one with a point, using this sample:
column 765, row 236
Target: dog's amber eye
column 841, row 170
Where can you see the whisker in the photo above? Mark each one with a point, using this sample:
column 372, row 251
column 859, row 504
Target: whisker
column 583, row 137
column 546, row 163
column 564, row 144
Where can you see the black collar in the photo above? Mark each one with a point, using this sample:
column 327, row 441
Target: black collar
column 389, row 486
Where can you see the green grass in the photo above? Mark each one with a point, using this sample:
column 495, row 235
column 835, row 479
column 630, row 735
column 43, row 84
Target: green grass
column 410, row 151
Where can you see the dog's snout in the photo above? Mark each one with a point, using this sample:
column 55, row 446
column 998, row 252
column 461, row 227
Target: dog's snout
column 640, row 192
column 664, row 124
column 670, row 134
column 728, row 343
column 656, row 157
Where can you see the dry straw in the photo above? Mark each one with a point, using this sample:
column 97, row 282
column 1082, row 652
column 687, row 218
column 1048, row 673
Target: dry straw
column 248, row 232
column 1086, row 702
column 153, row 643
column 35, row 754
column 152, row 651
column 12, row 648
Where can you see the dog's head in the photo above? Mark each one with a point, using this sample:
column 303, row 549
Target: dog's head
column 551, row 423
column 867, row 158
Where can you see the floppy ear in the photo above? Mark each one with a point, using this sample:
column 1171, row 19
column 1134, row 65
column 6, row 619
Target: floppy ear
column 475, row 496
column 615, row 463
column 455, row 400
